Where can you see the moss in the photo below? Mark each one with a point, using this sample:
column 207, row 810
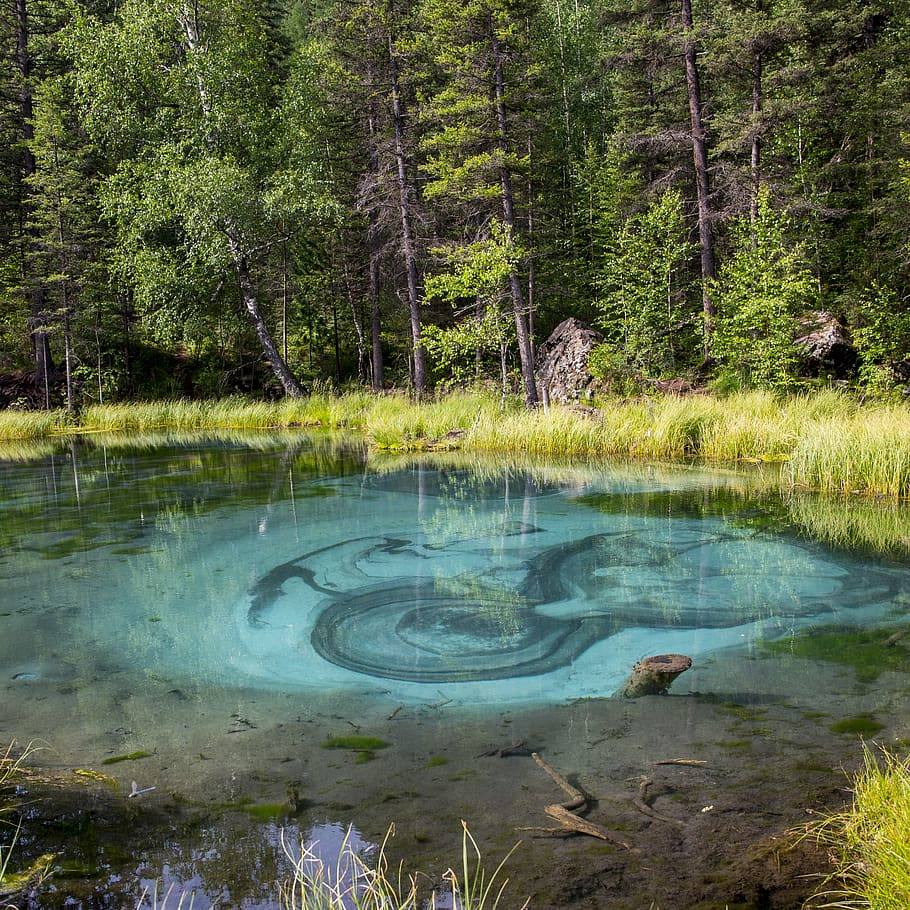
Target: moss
column 437, row 761
column 861, row 724
column 743, row 712
column 97, row 777
column 363, row 756
column 463, row 774
column 355, row 743
column 265, row 812
column 128, row 756
column 861, row 649
column 735, row 745
column 815, row 715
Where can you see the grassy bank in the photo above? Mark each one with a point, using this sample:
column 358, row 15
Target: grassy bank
column 826, row 440
column 869, row 844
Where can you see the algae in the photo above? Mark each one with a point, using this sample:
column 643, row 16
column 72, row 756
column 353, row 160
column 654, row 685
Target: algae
column 129, row 756
column 355, row 743
column 865, row 651
column 859, row 724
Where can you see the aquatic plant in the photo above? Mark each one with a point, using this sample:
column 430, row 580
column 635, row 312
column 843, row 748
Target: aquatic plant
column 11, row 771
column 351, row 882
column 869, row 843
column 870, row 652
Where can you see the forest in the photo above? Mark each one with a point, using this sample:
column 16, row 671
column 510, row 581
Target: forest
column 211, row 197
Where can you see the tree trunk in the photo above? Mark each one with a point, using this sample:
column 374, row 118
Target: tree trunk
column 407, row 231
column 279, row 367
column 373, row 245
column 37, row 321
column 755, row 163
column 355, row 319
column 525, row 351
column 700, row 157
column 376, row 372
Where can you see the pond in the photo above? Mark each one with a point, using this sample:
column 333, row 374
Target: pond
column 286, row 636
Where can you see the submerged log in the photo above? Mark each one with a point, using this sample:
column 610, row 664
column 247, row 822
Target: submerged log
column 654, row 675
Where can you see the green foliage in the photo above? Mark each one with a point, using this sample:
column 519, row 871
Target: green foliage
column 644, row 301
column 883, row 337
column 760, row 292
column 474, row 284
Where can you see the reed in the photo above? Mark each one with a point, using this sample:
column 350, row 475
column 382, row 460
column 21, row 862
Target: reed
column 352, row 883
column 869, row 843
column 828, row 441
column 30, row 424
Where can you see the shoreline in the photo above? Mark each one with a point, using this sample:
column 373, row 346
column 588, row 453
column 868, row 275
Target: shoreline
column 824, row 441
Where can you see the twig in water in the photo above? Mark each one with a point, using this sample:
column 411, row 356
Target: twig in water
column 643, row 804
column 136, row 791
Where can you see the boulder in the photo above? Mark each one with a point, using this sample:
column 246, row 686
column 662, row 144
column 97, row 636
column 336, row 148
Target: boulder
column 826, row 346
column 562, row 362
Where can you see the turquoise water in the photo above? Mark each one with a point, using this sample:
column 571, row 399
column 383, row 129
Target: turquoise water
column 225, row 606
column 301, row 568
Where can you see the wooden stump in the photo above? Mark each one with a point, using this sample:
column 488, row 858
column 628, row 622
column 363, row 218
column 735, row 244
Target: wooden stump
column 653, row 675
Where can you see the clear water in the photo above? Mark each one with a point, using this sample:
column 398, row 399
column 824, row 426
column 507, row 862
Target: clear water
column 200, row 599
column 303, row 569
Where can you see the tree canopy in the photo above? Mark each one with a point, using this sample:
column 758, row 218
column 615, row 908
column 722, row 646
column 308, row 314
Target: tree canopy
column 202, row 197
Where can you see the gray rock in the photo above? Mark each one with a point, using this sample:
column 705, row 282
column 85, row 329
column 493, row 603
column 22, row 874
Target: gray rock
column 562, row 361
column 826, row 347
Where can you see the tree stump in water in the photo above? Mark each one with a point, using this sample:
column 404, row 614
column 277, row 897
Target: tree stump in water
column 653, row 675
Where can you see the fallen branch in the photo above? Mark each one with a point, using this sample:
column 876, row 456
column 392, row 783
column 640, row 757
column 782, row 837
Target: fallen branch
column 517, row 748
column 569, row 814
column 686, row 762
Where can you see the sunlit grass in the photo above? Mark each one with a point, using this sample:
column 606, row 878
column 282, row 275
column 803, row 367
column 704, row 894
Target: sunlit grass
column 869, row 843
column 828, row 441
column 353, row 883
column 30, row 424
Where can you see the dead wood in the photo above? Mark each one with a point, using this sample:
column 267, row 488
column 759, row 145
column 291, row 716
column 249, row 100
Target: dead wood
column 569, row 814
column 654, row 675
column 517, row 748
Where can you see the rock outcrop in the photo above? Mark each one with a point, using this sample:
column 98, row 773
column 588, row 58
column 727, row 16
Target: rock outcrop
column 562, row 362
column 825, row 346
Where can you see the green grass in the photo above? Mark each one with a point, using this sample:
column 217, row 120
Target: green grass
column 353, row 884
column 869, row 843
column 826, row 440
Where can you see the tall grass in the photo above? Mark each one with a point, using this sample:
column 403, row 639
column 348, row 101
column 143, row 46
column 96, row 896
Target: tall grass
column 351, row 883
column 869, row 844
column 829, row 442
